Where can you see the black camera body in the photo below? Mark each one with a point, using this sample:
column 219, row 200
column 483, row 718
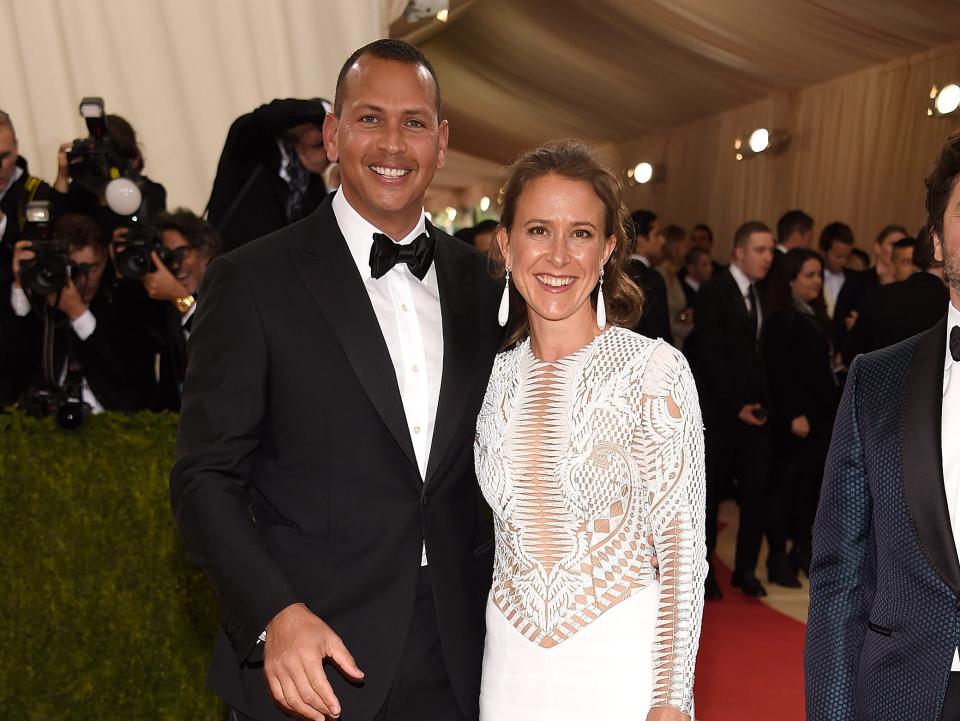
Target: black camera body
column 134, row 261
column 48, row 272
column 92, row 162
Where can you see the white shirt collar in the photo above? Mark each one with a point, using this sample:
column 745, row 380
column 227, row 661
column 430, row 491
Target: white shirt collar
column 782, row 248
column 692, row 283
column 17, row 174
column 358, row 232
column 743, row 282
column 642, row 258
column 953, row 318
column 827, row 273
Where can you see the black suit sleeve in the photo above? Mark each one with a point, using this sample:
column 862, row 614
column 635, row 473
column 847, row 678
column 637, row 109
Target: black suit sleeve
column 712, row 338
column 224, row 402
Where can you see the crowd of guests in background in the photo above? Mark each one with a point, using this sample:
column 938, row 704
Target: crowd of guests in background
column 769, row 336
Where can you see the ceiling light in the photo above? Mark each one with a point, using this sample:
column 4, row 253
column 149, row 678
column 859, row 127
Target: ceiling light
column 418, row 10
column 643, row 172
column 945, row 100
column 759, row 140
column 484, row 204
column 451, row 214
column 443, row 15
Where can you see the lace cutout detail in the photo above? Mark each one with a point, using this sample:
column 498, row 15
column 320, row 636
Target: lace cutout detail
column 582, row 460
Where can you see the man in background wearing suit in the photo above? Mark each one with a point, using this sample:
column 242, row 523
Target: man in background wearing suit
column 729, row 322
column 647, row 248
column 884, row 620
column 324, row 476
column 794, row 230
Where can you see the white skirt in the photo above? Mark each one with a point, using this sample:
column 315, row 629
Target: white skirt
column 604, row 671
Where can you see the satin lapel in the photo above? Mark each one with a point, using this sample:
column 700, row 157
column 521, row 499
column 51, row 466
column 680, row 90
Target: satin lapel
column 458, row 295
column 923, row 457
column 330, row 274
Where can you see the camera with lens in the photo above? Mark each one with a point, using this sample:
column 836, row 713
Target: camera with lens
column 93, row 161
column 50, row 269
column 133, row 259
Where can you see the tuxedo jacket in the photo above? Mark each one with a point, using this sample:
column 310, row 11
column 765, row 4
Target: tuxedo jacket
column 729, row 365
column 896, row 311
column 885, row 581
column 296, row 479
column 655, row 322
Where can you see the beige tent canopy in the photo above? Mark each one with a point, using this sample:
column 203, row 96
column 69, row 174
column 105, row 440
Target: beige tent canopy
column 675, row 81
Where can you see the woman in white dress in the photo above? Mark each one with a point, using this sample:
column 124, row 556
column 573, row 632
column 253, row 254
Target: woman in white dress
column 589, row 450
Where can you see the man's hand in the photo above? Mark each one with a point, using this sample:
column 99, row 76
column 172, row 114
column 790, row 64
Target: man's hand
column 162, row 284
column 21, row 252
column 297, row 643
column 62, row 183
column 70, row 301
column 851, row 320
column 748, row 415
column 800, row 427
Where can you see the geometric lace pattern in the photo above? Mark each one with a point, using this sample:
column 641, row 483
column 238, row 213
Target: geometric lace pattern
column 584, row 460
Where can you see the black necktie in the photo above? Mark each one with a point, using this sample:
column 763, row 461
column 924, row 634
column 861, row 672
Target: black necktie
column 418, row 255
column 955, row 342
column 754, row 312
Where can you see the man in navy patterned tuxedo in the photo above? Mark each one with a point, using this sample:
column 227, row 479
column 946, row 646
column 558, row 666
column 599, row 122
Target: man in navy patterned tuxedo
column 884, row 620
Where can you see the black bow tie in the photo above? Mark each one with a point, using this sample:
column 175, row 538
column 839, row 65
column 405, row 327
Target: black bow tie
column 418, row 255
column 955, row 342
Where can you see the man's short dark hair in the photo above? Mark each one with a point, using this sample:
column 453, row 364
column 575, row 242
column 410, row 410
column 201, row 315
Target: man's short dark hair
column 641, row 221
column 923, row 250
column 197, row 232
column 705, row 228
column 835, row 233
column 744, row 232
column 941, row 182
column 791, row 222
column 387, row 49
column 907, row 242
column 693, row 256
column 79, row 231
column 6, row 122
column 485, row 226
column 862, row 255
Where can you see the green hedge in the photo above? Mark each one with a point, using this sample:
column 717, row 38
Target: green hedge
column 101, row 614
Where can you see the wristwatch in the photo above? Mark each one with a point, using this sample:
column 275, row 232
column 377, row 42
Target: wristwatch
column 185, row 303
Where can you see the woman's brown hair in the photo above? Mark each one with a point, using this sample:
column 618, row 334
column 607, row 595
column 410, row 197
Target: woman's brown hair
column 573, row 159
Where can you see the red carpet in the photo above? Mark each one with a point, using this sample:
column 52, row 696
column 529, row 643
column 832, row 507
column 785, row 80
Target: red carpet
column 750, row 665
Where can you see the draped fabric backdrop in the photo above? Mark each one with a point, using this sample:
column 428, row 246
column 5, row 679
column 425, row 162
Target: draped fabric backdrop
column 179, row 70
column 860, row 148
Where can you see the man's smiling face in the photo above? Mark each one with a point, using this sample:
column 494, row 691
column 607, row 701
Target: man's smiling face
column 388, row 141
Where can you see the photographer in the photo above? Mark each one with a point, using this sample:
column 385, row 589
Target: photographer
column 188, row 246
column 271, row 169
column 82, row 174
column 96, row 340
column 17, row 188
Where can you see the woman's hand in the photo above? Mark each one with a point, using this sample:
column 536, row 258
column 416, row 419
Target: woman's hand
column 666, row 713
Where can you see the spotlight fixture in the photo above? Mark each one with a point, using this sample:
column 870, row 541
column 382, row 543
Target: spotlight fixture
column 944, row 101
column 484, row 204
column 418, row 10
column 643, row 173
column 451, row 214
column 759, row 141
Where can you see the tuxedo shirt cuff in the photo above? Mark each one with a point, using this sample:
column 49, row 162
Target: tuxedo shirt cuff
column 84, row 325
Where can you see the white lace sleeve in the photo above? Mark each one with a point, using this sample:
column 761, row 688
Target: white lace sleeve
column 668, row 445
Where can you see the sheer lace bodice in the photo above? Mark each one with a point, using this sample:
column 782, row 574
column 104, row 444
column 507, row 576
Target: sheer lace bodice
column 582, row 460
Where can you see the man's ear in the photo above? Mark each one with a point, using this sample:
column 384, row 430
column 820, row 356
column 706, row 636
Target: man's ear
column 444, row 139
column 330, row 124
column 937, row 245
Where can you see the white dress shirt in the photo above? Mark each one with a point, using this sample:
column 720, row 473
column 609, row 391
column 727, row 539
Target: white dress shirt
column 408, row 311
column 744, row 283
column 949, row 433
column 832, row 283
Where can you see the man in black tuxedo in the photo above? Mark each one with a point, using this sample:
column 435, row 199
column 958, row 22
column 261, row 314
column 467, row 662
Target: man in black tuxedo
column 884, row 621
column 901, row 309
column 836, row 245
column 647, row 247
column 733, row 393
column 270, row 172
column 324, row 476
column 698, row 267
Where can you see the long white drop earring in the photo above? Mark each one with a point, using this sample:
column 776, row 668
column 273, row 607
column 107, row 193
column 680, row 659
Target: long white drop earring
column 504, row 312
column 601, row 308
